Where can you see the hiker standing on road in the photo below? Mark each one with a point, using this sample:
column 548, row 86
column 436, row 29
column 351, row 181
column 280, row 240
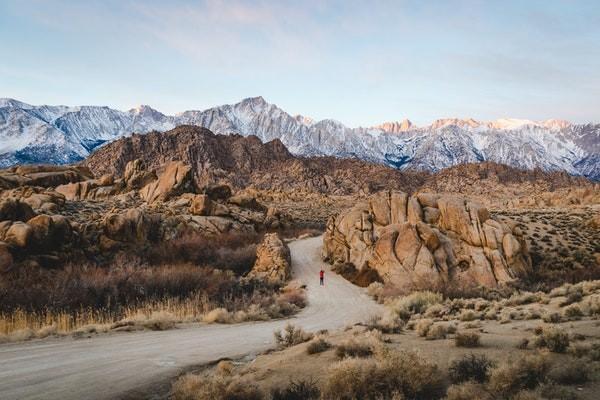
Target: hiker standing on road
column 322, row 276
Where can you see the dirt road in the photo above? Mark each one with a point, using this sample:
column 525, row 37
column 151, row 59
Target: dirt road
column 120, row 365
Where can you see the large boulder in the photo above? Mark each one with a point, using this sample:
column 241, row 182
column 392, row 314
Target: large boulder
column 50, row 232
column 273, row 260
column 19, row 234
column 427, row 241
column 175, row 180
column 133, row 226
column 201, row 204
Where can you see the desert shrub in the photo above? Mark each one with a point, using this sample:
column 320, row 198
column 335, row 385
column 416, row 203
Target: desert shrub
column 197, row 387
column 468, row 391
column 375, row 290
column 468, row 315
column 525, row 298
column 467, row 339
column 436, row 332
column 470, row 368
column 423, row 326
column 591, row 306
column 570, row 372
column 573, row 312
column 533, row 314
column 491, row 315
column 318, row 345
column 573, row 296
column 363, row 346
column 301, row 390
column 291, row 336
column 219, row 315
column 512, row 376
column 562, row 290
column 435, row 311
column 414, row 303
column 554, row 339
column 225, row 367
column 156, row 321
column 389, row 322
column 552, row 317
column 392, row 375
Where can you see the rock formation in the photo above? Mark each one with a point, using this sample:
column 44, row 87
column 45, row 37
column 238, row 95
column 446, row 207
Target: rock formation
column 176, row 179
column 273, row 260
column 427, row 241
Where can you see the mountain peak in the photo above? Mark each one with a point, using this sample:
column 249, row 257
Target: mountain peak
column 256, row 101
column 462, row 123
column 556, row 123
column 396, row 126
column 8, row 102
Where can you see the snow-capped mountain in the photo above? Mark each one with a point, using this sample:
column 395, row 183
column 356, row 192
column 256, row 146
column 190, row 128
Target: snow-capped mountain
column 62, row 134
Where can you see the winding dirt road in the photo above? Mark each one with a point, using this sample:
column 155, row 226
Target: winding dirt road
column 125, row 364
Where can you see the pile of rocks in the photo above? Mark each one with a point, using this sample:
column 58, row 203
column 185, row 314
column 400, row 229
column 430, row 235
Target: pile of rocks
column 48, row 212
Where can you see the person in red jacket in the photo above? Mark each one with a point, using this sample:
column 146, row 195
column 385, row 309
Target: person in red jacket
column 321, row 277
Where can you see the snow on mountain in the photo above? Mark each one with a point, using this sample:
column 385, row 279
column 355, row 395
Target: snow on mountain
column 62, row 134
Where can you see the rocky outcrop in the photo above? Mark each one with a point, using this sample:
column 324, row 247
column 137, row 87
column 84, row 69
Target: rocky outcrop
column 273, row 260
column 243, row 162
column 42, row 175
column 136, row 176
column 427, row 241
column 176, row 179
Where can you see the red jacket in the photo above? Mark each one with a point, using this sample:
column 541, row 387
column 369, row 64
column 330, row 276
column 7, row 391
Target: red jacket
column 321, row 274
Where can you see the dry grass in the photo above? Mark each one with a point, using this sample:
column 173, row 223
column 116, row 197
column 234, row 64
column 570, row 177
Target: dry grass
column 392, row 375
column 216, row 387
column 158, row 314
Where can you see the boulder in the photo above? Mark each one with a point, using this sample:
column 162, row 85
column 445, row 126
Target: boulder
column 50, row 232
column 133, row 226
column 12, row 209
column 427, row 241
column 19, row 234
column 247, row 201
column 273, row 260
column 175, row 180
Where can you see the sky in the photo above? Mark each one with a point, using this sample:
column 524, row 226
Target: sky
column 359, row 62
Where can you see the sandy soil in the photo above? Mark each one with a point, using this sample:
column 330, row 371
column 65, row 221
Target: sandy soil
column 121, row 365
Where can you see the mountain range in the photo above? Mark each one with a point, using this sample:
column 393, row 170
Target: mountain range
column 64, row 134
